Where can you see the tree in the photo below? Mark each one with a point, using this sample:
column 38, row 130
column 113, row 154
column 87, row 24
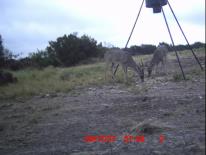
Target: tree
column 1, row 52
column 198, row 45
column 70, row 49
column 38, row 59
column 135, row 50
column 148, row 49
column 6, row 57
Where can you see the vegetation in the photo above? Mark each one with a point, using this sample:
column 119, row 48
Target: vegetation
column 177, row 77
column 61, row 66
column 67, row 51
column 149, row 49
column 52, row 80
column 1, row 53
column 32, row 81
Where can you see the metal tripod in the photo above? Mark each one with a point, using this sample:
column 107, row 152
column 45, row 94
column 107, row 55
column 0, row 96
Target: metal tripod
column 183, row 74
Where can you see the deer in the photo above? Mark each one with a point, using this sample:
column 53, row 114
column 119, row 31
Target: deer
column 160, row 55
column 115, row 57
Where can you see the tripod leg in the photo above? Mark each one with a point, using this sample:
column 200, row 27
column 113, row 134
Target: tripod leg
column 116, row 69
column 131, row 32
column 185, row 37
column 134, row 24
column 183, row 74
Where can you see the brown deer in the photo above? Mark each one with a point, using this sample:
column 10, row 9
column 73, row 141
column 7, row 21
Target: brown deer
column 117, row 56
column 160, row 55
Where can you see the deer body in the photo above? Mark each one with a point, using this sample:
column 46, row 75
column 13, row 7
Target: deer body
column 159, row 55
column 117, row 56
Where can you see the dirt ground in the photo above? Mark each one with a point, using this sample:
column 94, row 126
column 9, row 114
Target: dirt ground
column 56, row 124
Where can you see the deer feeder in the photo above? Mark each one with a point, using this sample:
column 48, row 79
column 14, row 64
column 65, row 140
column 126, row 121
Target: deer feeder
column 156, row 5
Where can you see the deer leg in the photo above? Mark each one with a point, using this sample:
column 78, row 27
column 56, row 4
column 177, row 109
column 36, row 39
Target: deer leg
column 106, row 68
column 164, row 66
column 159, row 65
column 158, row 68
column 125, row 72
column 154, row 69
column 112, row 68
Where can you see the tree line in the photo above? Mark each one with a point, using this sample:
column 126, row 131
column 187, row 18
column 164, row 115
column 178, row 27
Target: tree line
column 70, row 50
column 149, row 49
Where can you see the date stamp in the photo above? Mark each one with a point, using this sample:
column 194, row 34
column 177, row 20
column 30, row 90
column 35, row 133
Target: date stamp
column 112, row 138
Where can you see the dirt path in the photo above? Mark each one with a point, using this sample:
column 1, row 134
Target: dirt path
column 57, row 123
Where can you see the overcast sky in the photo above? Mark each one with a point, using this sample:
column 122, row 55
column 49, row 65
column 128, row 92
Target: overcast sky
column 28, row 25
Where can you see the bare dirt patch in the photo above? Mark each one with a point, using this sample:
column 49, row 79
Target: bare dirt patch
column 57, row 123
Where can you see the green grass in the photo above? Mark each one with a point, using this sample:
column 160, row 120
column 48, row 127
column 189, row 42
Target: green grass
column 177, row 77
column 190, row 75
column 49, row 80
column 200, row 52
column 53, row 80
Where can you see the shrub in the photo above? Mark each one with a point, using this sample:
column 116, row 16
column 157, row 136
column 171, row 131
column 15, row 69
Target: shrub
column 6, row 77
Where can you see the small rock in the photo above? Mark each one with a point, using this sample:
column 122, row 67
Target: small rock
column 47, row 95
column 92, row 89
column 106, row 105
column 157, row 152
column 144, row 99
column 53, row 95
column 193, row 148
column 1, row 128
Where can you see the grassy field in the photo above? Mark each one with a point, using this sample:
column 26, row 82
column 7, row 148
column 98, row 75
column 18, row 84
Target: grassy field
column 52, row 80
